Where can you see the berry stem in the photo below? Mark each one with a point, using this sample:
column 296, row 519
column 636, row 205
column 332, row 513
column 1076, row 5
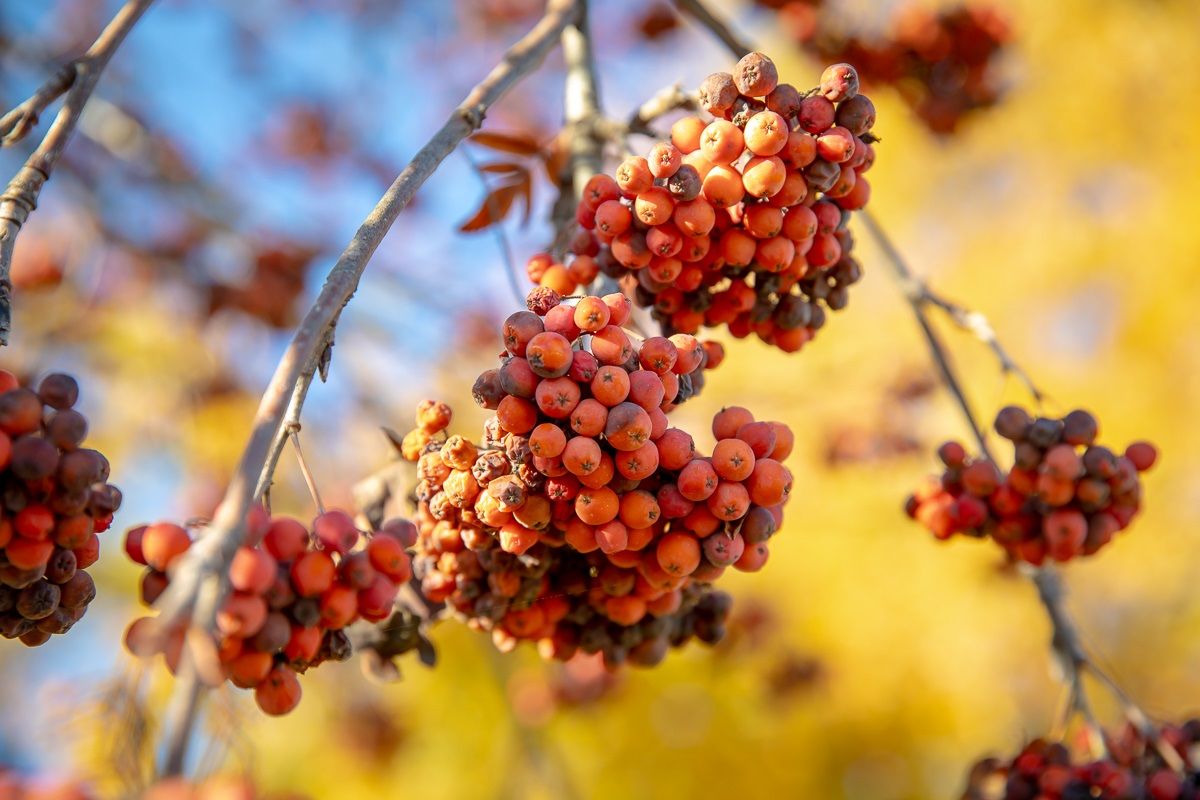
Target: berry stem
column 77, row 80
column 207, row 562
column 1066, row 645
column 973, row 322
column 294, row 435
column 917, row 300
column 699, row 12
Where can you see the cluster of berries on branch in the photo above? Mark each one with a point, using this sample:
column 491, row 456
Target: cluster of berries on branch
column 739, row 220
column 1134, row 769
column 1065, row 495
column 940, row 60
column 294, row 590
column 583, row 520
column 54, row 500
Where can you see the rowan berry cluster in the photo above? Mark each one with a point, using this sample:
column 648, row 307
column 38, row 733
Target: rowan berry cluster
column 741, row 221
column 939, row 59
column 294, row 589
column 1064, row 496
column 54, row 500
column 1133, row 770
column 583, row 520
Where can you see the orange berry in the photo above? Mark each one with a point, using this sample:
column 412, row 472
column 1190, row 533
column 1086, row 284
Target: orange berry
column 387, row 555
column 729, row 420
column 785, row 440
column 252, row 570
column 770, row 482
column 516, row 538
column 557, row 397
column 249, row 669
column 610, row 385
column 558, row 278
column 722, row 142
column 664, row 160
column 678, row 554
column 286, row 539
column 730, row 501
column 335, row 529
column 242, row 615
column 638, row 464
column 626, row 610
column 754, row 558
column 516, row 415
column 581, row 536
column 589, row 417
column 313, row 573
column 25, row 553
column 549, row 354
column 375, row 602
column 766, row 133
column 628, row 426
column 619, row 307
column 612, row 536
column 596, row 506
column 686, row 133
column 760, row 436
column 613, row 218
column 162, row 543
column 763, row 221
column 723, row 187
column 653, row 206
column 610, row 345
column 581, row 455
column 547, row 440
column 639, row 509
column 763, row 176
column 694, row 217
column 279, row 692
column 733, row 459
column 602, row 475
column 698, row 480
column 633, row 175
column 591, row 314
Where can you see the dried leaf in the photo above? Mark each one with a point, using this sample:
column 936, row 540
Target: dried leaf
column 516, row 143
column 494, row 208
column 502, row 167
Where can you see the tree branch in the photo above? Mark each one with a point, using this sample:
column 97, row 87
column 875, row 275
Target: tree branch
column 22, row 118
column 912, row 289
column 206, row 563
column 21, row 195
column 700, row 13
column 581, row 111
column 581, row 103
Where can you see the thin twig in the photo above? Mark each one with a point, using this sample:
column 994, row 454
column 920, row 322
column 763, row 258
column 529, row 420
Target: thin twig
column 1065, row 643
column 973, row 322
column 206, row 563
column 699, row 12
column 291, row 420
column 911, row 288
column 22, row 118
column 294, row 435
column 20, row 197
column 666, row 100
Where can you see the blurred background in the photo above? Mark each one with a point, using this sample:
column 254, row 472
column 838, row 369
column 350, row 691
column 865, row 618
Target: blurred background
column 232, row 149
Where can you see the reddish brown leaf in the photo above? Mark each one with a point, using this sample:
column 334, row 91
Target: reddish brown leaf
column 493, row 209
column 516, row 143
column 501, row 167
